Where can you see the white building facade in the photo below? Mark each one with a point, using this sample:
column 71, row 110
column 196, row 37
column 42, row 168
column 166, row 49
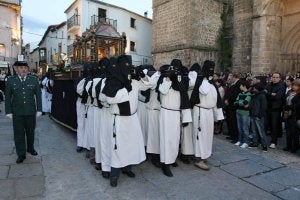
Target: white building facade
column 10, row 31
column 53, row 46
column 81, row 14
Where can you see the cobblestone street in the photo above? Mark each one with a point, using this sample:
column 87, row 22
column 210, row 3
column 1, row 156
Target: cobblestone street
column 59, row 172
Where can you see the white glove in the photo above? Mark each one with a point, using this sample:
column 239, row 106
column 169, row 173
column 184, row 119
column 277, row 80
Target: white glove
column 9, row 116
column 145, row 71
column 38, row 114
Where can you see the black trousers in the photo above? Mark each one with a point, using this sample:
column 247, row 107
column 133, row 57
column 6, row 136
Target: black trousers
column 115, row 172
column 232, row 123
column 24, row 131
column 275, row 125
column 292, row 134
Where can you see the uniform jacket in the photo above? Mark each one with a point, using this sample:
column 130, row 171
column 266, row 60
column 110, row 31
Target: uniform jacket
column 22, row 98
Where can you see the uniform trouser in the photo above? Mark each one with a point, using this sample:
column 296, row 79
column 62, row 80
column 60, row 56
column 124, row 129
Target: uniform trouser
column 115, row 172
column 24, row 125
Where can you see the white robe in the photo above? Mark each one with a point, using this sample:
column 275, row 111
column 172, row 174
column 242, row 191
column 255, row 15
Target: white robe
column 187, row 145
column 142, row 114
column 89, row 138
column 103, row 137
column 203, row 139
column 129, row 139
column 153, row 109
column 81, row 111
column 97, row 124
column 170, row 123
column 46, row 96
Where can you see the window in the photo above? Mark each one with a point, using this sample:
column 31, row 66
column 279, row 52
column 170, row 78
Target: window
column 132, row 22
column 69, row 37
column 101, row 12
column 132, row 46
column 59, row 48
column 42, row 54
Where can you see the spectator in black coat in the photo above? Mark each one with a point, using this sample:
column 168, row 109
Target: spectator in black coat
column 275, row 95
column 258, row 109
column 229, row 99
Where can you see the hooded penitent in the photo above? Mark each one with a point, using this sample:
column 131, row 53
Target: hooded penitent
column 207, row 71
column 117, row 79
column 87, row 74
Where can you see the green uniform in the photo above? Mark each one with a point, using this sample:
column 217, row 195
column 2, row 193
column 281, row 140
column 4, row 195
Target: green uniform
column 23, row 100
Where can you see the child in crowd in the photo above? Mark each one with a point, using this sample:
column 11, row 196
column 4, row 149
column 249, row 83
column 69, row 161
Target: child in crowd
column 243, row 120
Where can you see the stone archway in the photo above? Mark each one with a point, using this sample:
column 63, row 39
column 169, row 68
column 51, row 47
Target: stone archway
column 290, row 36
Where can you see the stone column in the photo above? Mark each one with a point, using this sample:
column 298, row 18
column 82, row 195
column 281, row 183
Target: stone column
column 242, row 35
column 266, row 35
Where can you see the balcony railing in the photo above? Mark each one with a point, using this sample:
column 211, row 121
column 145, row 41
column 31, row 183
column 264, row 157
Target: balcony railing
column 97, row 19
column 73, row 21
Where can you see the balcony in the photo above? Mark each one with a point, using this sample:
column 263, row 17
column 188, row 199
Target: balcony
column 73, row 23
column 95, row 19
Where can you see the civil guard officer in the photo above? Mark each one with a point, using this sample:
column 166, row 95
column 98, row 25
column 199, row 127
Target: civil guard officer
column 23, row 104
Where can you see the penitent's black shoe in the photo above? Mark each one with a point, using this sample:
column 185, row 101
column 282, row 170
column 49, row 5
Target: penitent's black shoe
column 79, row 149
column 98, row 166
column 174, row 164
column 20, row 159
column 33, row 152
column 129, row 174
column 113, row 182
column 166, row 170
column 106, row 175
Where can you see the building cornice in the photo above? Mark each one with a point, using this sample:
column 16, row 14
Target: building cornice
column 14, row 6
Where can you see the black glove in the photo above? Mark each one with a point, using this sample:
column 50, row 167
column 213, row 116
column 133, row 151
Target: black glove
column 128, row 87
column 140, row 73
column 185, row 124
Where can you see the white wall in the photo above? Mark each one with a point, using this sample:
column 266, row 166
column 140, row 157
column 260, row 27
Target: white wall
column 52, row 41
column 142, row 35
column 10, row 29
column 33, row 60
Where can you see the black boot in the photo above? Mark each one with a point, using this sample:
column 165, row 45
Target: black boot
column 185, row 159
column 113, row 182
column 106, row 175
column 79, row 149
column 155, row 160
column 166, row 170
column 98, row 166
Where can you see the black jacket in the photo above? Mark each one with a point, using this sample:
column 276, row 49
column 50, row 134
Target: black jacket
column 275, row 103
column 296, row 107
column 232, row 94
column 258, row 105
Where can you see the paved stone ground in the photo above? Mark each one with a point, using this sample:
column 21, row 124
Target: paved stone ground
column 61, row 173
